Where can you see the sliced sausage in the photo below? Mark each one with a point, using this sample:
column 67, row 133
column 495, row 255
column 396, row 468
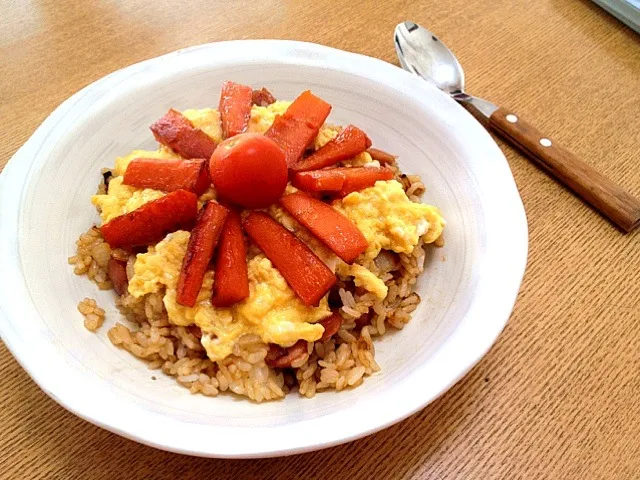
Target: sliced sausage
column 331, row 326
column 117, row 272
column 195, row 331
column 262, row 97
column 381, row 156
column 363, row 320
column 279, row 357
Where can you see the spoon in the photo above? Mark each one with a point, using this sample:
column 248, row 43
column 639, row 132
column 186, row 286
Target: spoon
column 421, row 53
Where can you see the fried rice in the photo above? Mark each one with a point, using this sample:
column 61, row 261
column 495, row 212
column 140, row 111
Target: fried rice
column 343, row 361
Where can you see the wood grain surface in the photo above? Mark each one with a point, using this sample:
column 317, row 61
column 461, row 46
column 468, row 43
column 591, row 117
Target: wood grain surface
column 558, row 396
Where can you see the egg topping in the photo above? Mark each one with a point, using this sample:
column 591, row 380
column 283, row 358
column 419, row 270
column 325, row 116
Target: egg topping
column 272, row 310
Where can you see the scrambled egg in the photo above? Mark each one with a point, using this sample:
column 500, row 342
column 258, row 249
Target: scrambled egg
column 122, row 199
column 325, row 135
column 263, row 117
column 272, row 310
column 207, row 120
column 389, row 220
column 362, row 160
column 365, row 278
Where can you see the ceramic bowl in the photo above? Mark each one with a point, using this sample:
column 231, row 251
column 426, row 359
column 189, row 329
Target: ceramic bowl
column 468, row 288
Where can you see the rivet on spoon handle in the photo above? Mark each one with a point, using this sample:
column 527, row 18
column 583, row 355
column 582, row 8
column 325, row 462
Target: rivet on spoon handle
column 596, row 189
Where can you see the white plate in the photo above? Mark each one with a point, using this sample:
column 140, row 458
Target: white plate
column 468, row 289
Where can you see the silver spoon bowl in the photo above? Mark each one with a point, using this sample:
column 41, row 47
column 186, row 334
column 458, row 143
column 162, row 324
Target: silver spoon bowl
column 420, row 52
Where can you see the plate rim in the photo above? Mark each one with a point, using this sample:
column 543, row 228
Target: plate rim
column 19, row 165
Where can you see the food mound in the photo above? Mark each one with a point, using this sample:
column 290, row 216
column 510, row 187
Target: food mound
column 258, row 250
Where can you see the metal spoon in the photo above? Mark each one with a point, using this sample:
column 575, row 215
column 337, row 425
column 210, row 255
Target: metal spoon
column 421, row 52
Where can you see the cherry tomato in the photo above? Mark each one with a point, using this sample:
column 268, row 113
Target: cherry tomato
column 249, row 170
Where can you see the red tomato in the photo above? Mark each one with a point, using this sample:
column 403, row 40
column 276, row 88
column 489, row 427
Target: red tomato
column 249, row 170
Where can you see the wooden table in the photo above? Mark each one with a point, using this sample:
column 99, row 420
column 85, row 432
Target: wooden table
column 558, row 396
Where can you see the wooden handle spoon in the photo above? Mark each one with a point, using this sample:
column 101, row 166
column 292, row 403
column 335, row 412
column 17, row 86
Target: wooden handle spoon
column 421, row 52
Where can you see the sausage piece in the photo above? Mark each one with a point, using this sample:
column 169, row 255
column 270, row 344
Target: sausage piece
column 117, row 272
column 279, row 357
column 262, row 97
column 381, row 156
column 331, row 326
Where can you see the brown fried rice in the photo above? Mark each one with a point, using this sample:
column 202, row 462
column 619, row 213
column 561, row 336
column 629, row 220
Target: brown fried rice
column 341, row 362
